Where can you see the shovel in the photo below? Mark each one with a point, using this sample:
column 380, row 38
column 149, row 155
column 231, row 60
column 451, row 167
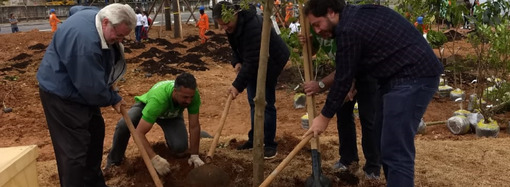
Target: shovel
column 141, row 148
column 209, row 174
column 317, row 179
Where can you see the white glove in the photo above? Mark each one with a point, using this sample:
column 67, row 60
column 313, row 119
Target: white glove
column 195, row 160
column 161, row 165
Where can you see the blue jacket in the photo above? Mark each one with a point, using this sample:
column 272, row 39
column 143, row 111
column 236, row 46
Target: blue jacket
column 78, row 67
column 78, row 8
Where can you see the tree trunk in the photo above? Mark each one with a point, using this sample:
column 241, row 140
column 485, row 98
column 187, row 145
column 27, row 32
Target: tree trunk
column 168, row 19
column 215, row 23
column 177, row 19
column 260, row 99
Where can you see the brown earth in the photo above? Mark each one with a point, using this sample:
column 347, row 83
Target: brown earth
column 442, row 159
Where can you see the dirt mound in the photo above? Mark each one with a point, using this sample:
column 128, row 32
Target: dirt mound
column 196, row 63
column 38, row 46
column 209, row 33
column 133, row 60
column 171, row 57
column 222, row 54
column 193, row 58
column 453, row 35
column 202, row 48
column 23, row 64
column 175, row 45
column 167, row 44
column 134, row 45
column 192, row 38
column 162, row 42
column 219, row 39
column 160, row 68
column 196, row 68
column 152, row 52
column 21, row 56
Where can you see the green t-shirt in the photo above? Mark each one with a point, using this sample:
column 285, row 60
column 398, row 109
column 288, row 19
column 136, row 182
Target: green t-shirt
column 327, row 45
column 159, row 104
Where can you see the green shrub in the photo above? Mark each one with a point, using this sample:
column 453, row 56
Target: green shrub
column 436, row 39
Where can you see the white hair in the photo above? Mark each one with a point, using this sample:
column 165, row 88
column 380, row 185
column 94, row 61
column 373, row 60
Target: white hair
column 118, row 13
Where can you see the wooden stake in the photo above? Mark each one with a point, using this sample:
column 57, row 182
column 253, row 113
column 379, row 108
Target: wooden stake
column 260, row 99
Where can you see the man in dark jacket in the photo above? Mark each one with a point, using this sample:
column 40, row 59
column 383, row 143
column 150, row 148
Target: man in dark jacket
column 244, row 31
column 82, row 62
column 404, row 64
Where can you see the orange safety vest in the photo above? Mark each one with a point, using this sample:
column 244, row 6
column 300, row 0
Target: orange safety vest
column 203, row 22
column 53, row 19
column 53, row 22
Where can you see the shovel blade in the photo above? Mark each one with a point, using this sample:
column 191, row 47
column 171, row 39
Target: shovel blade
column 317, row 179
column 321, row 182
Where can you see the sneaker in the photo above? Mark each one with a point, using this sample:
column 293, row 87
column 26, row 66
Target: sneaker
column 340, row 167
column 247, row 145
column 372, row 176
column 269, row 153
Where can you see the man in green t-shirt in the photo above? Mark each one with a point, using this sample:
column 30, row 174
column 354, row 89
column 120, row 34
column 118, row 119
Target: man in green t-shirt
column 164, row 104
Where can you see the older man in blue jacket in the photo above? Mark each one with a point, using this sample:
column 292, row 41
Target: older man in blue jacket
column 75, row 77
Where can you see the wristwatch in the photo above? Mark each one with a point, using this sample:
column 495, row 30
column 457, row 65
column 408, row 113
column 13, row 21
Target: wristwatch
column 321, row 85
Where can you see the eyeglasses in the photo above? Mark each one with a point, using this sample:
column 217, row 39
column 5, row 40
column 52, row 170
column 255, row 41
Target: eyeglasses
column 118, row 36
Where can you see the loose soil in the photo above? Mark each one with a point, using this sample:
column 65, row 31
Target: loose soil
column 442, row 159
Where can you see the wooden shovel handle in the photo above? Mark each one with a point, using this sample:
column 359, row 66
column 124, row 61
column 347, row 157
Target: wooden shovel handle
column 217, row 135
column 308, row 70
column 286, row 161
column 141, row 148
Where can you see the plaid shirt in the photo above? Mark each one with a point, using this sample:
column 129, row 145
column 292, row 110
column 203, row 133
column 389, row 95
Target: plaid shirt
column 380, row 42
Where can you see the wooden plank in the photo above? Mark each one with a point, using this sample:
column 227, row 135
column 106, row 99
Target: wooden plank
column 17, row 166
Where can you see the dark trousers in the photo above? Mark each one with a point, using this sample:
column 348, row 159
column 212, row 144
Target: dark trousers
column 366, row 94
column 77, row 134
column 269, row 111
column 174, row 130
column 398, row 115
column 138, row 33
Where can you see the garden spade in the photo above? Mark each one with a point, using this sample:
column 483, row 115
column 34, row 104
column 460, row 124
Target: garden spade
column 317, row 179
column 209, row 174
column 141, row 148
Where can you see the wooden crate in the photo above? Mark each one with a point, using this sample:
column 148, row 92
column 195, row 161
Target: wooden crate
column 17, row 166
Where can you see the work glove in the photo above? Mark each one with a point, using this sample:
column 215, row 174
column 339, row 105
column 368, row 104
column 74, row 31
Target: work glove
column 195, row 160
column 161, row 165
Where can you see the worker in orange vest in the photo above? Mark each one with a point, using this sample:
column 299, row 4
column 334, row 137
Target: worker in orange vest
column 203, row 24
column 423, row 28
column 289, row 12
column 54, row 20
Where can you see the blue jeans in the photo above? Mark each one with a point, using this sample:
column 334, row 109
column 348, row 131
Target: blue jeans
column 366, row 98
column 138, row 33
column 400, row 110
column 14, row 29
column 174, row 130
column 269, row 112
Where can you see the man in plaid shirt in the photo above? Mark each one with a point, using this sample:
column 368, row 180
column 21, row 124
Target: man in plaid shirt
column 380, row 42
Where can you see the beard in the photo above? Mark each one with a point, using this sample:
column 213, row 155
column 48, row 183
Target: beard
column 329, row 32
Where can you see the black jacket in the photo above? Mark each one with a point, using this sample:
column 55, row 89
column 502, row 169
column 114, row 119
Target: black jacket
column 245, row 43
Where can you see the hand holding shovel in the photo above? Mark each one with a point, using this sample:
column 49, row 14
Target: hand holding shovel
column 141, row 148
